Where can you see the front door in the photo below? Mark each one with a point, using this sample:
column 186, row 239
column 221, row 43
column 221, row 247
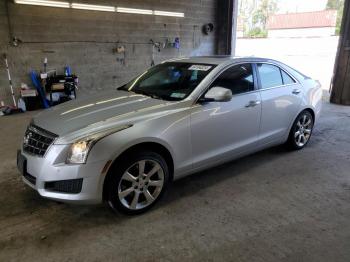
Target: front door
column 223, row 130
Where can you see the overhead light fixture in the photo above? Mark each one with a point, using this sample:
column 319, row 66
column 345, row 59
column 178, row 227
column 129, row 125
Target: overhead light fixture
column 44, row 3
column 93, row 7
column 165, row 13
column 99, row 7
column 134, row 11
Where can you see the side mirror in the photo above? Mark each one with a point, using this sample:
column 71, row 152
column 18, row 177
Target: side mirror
column 217, row 94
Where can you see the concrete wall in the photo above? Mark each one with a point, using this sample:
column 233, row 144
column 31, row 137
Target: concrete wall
column 302, row 32
column 85, row 40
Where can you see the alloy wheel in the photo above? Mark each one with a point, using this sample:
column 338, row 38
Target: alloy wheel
column 141, row 184
column 303, row 130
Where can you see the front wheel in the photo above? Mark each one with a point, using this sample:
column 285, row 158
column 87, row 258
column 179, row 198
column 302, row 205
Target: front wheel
column 301, row 130
column 138, row 182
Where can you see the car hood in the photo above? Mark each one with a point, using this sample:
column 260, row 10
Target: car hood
column 95, row 113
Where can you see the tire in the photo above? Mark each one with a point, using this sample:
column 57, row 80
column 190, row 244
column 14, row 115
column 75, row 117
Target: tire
column 131, row 191
column 301, row 131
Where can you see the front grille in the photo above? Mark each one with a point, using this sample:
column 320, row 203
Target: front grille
column 72, row 186
column 37, row 140
column 30, row 178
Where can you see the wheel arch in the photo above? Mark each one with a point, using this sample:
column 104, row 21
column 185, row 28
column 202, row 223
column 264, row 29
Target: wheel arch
column 310, row 110
column 152, row 146
column 290, row 133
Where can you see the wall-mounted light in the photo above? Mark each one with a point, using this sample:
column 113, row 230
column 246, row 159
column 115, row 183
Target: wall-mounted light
column 165, row 13
column 93, row 7
column 44, row 3
column 134, row 11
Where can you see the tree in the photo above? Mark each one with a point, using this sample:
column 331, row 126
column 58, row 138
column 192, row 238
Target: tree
column 245, row 10
column 265, row 9
column 334, row 4
column 339, row 6
column 254, row 15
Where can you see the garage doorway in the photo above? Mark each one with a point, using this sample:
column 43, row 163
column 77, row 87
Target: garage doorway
column 302, row 34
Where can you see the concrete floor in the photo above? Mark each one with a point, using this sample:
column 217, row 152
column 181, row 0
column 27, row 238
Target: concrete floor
column 272, row 206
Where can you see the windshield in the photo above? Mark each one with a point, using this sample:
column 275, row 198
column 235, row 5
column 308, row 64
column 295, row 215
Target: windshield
column 172, row 81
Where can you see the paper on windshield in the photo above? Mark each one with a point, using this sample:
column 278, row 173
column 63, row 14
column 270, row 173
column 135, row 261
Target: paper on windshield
column 177, row 95
column 200, row 67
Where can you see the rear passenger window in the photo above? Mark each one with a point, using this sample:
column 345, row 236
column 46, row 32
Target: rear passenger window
column 287, row 80
column 239, row 79
column 270, row 75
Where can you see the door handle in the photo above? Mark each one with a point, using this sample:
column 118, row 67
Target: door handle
column 296, row 91
column 253, row 103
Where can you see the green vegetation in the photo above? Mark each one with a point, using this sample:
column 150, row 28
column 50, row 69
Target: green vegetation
column 254, row 15
column 339, row 6
column 265, row 9
column 256, row 32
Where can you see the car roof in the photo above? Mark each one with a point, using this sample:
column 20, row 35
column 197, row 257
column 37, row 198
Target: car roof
column 226, row 60
column 216, row 60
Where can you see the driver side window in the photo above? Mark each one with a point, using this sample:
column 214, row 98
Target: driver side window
column 239, row 79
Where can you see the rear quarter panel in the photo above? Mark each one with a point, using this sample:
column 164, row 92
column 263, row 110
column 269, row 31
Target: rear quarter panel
column 312, row 96
column 312, row 91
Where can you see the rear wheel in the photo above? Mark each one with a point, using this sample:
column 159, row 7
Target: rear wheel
column 138, row 182
column 301, row 130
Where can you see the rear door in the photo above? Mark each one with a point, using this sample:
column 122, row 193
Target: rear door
column 281, row 100
column 222, row 130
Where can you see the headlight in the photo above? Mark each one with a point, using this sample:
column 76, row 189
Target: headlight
column 80, row 149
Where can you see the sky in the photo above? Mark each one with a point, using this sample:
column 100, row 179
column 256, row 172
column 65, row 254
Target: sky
column 292, row 6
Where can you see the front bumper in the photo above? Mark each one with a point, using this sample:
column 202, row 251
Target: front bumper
column 52, row 178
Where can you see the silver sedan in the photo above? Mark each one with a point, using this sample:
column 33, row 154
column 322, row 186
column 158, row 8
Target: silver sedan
column 125, row 147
